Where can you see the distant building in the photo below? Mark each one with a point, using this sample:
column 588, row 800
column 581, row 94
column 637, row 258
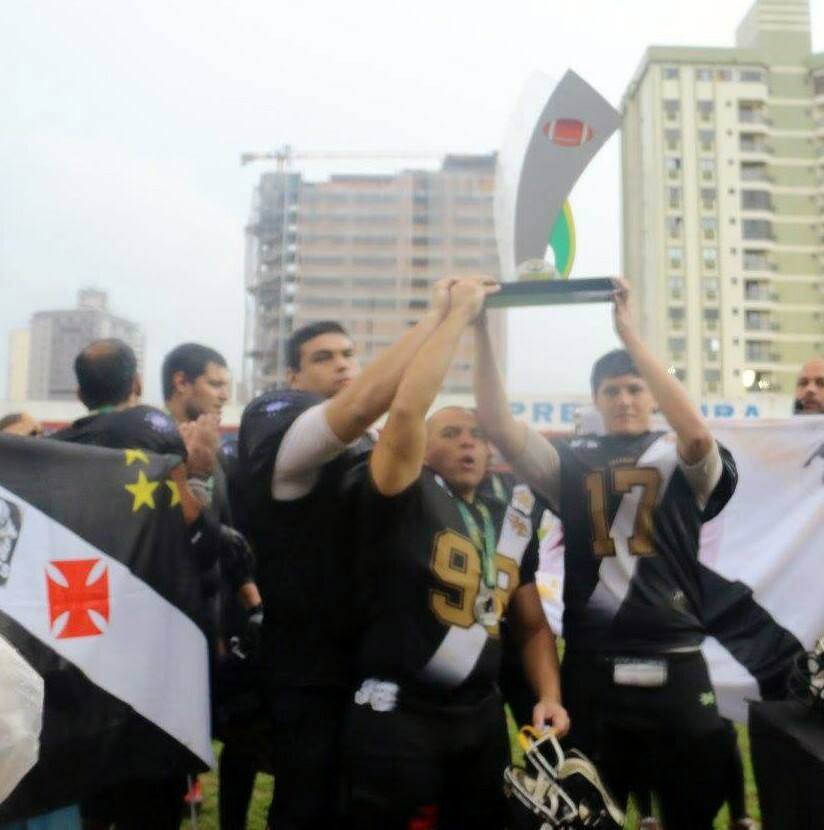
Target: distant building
column 56, row 337
column 723, row 204
column 18, row 380
column 364, row 250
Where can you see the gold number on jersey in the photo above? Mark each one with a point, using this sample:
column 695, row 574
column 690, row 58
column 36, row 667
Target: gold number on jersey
column 455, row 562
column 623, row 479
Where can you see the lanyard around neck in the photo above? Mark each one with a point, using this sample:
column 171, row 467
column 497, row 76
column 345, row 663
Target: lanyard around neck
column 484, row 542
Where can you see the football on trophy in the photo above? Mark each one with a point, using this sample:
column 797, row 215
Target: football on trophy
column 567, row 132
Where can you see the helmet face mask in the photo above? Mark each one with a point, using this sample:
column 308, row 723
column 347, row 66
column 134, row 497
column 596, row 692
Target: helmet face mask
column 554, row 791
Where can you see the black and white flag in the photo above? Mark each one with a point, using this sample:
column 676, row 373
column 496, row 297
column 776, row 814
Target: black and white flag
column 100, row 593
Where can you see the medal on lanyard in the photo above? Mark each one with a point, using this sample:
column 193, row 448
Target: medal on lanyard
column 486, row 606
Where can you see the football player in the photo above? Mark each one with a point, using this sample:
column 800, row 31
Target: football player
column 632, row 503
column 295, row 446
column 196, row 383
column 437, row 567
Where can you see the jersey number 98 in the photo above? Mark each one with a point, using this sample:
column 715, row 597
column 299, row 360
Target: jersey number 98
column 457, row 564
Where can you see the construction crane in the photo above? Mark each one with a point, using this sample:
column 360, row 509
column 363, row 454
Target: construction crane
column 285, row 155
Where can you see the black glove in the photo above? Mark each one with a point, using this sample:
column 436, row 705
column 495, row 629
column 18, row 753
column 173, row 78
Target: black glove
column 247, row 645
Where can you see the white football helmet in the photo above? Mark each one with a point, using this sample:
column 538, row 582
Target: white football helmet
column 554, row 790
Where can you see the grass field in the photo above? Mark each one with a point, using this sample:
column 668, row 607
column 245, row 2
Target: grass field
column 263, row 792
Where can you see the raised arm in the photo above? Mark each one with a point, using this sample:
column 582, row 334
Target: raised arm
column 397, row 459
column 534, row 459
column 695, row 442
column 360, row 404
column 494, row 415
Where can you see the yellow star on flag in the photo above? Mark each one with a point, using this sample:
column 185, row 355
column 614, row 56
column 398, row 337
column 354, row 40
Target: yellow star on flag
column 135, row 455
column 175, row 492
column 143, row 492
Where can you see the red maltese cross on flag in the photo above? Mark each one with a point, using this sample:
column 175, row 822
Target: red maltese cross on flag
column 78, row 597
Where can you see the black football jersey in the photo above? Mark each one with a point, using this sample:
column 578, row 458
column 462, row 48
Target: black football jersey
column 137, row 427
column 631, row 530
column 418, row 580
column 303, row 567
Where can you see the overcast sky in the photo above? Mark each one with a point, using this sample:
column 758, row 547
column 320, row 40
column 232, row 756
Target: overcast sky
column 122, row 123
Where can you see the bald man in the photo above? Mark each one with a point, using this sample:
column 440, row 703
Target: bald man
column 809, row 388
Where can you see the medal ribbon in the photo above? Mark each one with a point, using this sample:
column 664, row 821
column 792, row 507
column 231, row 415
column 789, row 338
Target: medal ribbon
column 485, row 542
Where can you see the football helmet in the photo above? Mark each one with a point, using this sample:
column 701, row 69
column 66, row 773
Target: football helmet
column 554, row 790
column 807, row 677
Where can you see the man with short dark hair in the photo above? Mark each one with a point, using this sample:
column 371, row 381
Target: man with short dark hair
column 110, row 385
column 196, row 383
column 438, row 567
column 809, row 388
column 295, row 446
column 632, row 502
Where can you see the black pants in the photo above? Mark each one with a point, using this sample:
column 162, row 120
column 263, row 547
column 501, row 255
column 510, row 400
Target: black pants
column 669, row 740
column 138, row 804
column 307, row 726
column 416, row 768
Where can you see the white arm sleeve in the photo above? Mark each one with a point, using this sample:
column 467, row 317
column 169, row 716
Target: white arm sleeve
column 307, row 445
column 539, row 465
column 704, row 475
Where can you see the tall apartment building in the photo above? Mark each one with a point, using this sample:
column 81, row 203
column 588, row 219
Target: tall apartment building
column 723, row 203
column 57, row 337
column 363, row 250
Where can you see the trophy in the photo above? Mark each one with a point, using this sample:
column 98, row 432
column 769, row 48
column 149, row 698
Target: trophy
column 550, row 142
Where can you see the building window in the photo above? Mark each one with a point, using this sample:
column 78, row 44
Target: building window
column 672, row 137
column 709, row 256
column 675, row 257
column 751, row 76
column 676, row 317
column 705, row 110
column 756, row 261
column 703, row 74
column 706, row 140
column 670, row 72
column 751, row 112
column 676, row 287
column 724, row 74
column 710, row 288
column 818, row 84
column 677, row 347
column 709, row 226
column 674, row 226
column 756, row 320
column 707, row 169
column 756, row 229
column 712, row 376
column 753, row 171
column 674, row 197
column 708, row 198
column 671, row 109
column 756, row 200
column 712, row 346
column 673, row 166
column 711, row 319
